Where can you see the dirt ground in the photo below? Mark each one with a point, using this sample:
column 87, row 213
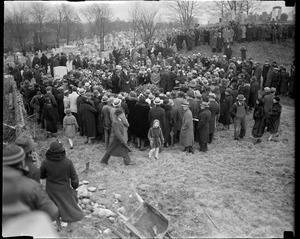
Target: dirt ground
column 246, row 189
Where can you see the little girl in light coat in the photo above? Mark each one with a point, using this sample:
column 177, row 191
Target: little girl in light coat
column 70, row 126
column 156, row 138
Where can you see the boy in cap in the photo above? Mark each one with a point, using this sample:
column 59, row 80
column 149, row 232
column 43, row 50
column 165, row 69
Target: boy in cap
column 30, row 192
column 238, row 113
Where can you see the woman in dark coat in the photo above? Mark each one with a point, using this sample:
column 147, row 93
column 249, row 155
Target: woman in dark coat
column 203, row 126
column 60, row 103
column 61, row 182
column 140, row 120
column 260, row 120
column 284, row 82
column 49, row 117
column 169, row 122
column 225, row 109
column 253, row 94
column 274, row 119
column 117, row 145
column 88, row 118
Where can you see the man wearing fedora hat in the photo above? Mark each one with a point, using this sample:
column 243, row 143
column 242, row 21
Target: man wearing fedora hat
column 203, row 126
column 214, row 109
column 267, row 103
column 29, row 191
column 157, row 112
column 238, row 113
column 28, row 145
column 187, row 129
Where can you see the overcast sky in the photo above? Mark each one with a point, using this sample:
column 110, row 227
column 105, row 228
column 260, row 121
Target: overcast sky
column 120, row 8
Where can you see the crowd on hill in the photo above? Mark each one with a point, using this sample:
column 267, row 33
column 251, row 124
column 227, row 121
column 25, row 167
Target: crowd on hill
column 148, row 97
column 152, row 82
column 219, row 36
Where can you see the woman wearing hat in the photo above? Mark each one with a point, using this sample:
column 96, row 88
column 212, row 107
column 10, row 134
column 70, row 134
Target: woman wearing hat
column 203, row 126
column 140, row 121
column 50, row 120
column 61, row 182
column 88, row 118
column 187, row 129
column 238, row 113
column 274, row 119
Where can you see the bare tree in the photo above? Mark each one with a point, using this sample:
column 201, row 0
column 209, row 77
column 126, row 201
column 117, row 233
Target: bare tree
column 99, row 18
column 145, row 18
column 185, row 11
column 70, row 17
column 88, row 14
column 250, row 7
column 40, row 13
column 57, row 20
column 16, row 26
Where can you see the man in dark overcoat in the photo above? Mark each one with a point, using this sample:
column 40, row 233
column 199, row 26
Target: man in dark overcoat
column 214, row 109
column 203, row 126
column 117, row 145
column 157, row 113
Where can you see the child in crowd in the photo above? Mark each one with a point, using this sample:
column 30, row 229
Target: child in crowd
column 70, row 126
column 156, row 138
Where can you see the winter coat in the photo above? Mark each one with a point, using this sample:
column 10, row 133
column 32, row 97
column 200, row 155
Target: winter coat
column 50, row 119
column 253, row 95
column 203, row 126
column 60, row 105
column 32, row 194
column 214, row 109
column 61, row 182
column 270, row 75
column 187, row 129
column 259, row 118
column 274, row 119
column 171, row 81
column 125, row 84
column 268, row 102
column 70, row 126
column 140, row 120
column 155, row 136
column 158, row 113
column 131, row 102
column 284, row 82
column 105, row 121
column 88, row 118
column 225, row 110
column 124, row 121
column 115, row 84
column 169, row 122
column 117, row 143
column 178, row 105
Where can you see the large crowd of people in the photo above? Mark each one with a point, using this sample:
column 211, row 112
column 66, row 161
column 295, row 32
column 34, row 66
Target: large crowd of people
column 148, row 98
column 148, row 88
